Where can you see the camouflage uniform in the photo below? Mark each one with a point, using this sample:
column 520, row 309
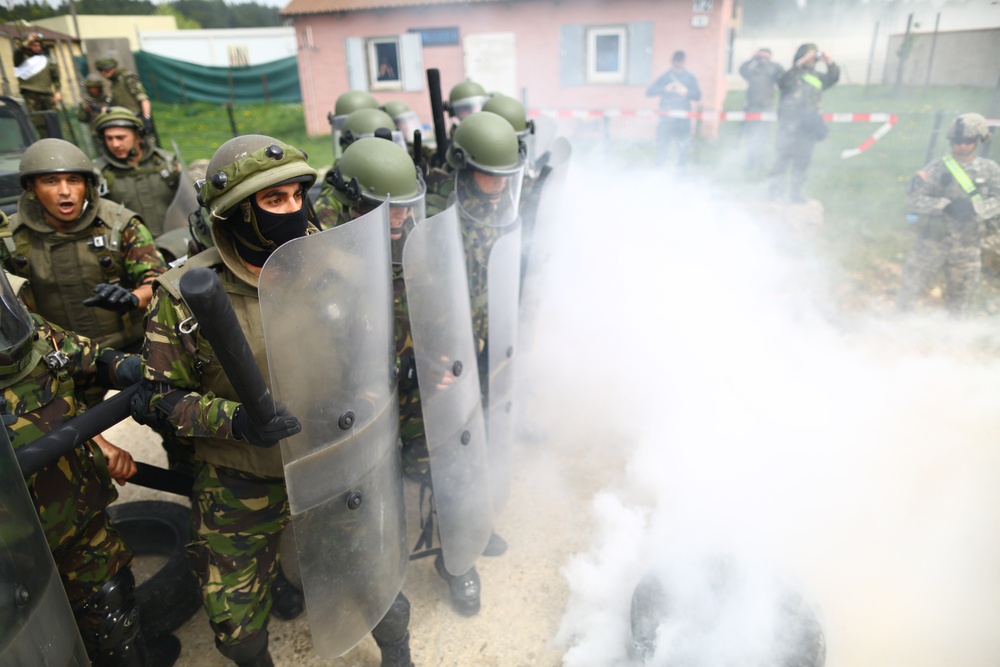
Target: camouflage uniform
column 800, row 124
column 70, row 494
column 147, row 188
column 108, row 244
column 946, row 242
column 127, row 91
column 38, row 91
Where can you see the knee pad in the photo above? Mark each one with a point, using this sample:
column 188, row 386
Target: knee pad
column 116, row 615
column 393, row 625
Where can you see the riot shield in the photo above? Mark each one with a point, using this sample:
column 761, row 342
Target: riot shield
column 36, row 623
column 503, row 274
column 546, row 130
column 437, row 295
column 185, row 203
column 539, row 212
column 326, row 308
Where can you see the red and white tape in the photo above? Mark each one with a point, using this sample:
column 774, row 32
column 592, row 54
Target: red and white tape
column 888, row 120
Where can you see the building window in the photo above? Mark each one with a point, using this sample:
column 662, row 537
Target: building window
column 383, row 64
column 606, row 49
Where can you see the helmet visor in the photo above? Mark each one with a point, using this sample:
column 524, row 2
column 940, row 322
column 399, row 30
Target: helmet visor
column 16, row 326
column 468, row 106
column 489, row 196
column 408, row 123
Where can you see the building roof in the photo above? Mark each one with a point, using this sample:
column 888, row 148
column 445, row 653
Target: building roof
column 17, row 32
column 297, row 7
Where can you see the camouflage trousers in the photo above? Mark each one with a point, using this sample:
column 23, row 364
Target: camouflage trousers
column 38, row 104
column 962, row 264
column 94, row 555
column 411, row 434
column 236, row 520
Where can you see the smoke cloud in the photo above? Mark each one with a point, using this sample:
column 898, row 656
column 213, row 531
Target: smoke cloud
column 773, row 451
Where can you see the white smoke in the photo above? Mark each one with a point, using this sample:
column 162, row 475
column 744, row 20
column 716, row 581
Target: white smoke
column 853, row 463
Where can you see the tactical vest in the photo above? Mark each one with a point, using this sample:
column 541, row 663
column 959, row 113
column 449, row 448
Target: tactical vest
column 62, row 269
column 41, row 82
column 148, row 188
column 264, row 462
column 121, row 96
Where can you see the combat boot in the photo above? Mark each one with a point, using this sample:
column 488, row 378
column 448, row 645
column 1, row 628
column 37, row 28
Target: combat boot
column 396, row 653
column 163, row 651
column 289, row 603
column 251, row 652
column 464, row 589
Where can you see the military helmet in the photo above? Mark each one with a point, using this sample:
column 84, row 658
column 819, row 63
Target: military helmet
column 405, row 118
column 395, row 108
column 510, row 109
column 373, row 169
column 969, row 126
column 353, row 100
column 247, row 164
column 118, row 117
column 364, row 123
column 93, row 80
column 56, row 156
column 17, row 354
column 105, row 62
column 466, row 98
column 487, row 141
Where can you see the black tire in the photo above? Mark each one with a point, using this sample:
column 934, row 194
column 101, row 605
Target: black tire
column 169, row 597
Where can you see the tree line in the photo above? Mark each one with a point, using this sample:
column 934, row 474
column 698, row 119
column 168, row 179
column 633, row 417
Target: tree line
column 206, row 14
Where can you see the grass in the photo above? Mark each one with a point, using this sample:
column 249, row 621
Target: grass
column 865, row 232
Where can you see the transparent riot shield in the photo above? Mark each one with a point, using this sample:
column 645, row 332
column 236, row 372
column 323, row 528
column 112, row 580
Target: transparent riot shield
column 326, row 308
column 185, row 203
column 36, row 623
column 546, row 130
column 503, row 274
column 437, row 294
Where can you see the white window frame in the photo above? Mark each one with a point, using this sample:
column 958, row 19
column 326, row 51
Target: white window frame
column 371, row 45
column 593, row 33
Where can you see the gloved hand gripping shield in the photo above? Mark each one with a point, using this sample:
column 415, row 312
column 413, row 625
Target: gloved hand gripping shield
column 326, row 307
column 441, row 325
column 36, row 623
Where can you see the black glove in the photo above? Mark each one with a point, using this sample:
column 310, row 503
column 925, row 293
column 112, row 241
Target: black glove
column 129, row 371
column 961, row 209
column 147, row 125
column 264, row 435
column 112, row 297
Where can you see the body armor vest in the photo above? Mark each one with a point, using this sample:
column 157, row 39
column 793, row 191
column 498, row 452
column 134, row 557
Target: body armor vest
column 147, row 188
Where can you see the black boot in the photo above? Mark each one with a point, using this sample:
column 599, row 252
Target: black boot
column 163, row 651
column 396, row 653
column 289, row 603
column 464, row 589
column 497, row 546
column 251, row 652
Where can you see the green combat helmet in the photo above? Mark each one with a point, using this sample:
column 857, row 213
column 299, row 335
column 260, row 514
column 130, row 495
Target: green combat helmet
column 365, row 123
column 105, row 63
column 57, row 156
column 465, row 98
column 514, row 112
column 372, row 170
column 969, row 126
column 241, row 229
column 118, row 117
column 346, row 104
column 488, row 161
column 93, row 80
column 405, row 118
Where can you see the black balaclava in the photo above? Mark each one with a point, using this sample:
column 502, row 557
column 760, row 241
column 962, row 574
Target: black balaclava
column 266, row 231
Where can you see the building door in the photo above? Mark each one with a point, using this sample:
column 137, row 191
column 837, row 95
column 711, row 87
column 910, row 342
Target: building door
column 491, row 61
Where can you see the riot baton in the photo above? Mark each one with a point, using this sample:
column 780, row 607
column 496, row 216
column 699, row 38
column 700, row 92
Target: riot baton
column 204, row 295
column 437, row 113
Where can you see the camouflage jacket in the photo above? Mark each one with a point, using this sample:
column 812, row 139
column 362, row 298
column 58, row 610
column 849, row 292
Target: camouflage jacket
column 934, row 187
column 187, row 377
column 329, row 210
column 77, row 487
column 127, row 91
column 147, row 188
column 89, row 107
column 108, row 244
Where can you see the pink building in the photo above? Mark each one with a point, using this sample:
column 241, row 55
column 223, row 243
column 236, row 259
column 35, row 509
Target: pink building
column 551, row 54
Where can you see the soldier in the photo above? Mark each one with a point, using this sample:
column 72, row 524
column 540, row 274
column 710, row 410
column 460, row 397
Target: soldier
column 800, row 122
column 90, row 263
column 347, row 103
column 44, row 368
column 465, row 99
column 761, row 75
column 38, row 79
column 949, row 199
column 126, row 90
column 255, row 195
column 139, row 175
column 96, row 98
column 677, row 88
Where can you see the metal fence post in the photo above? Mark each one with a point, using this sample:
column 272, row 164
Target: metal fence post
column 935, row 131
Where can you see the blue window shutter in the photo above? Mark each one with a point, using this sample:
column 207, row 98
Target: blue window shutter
column 411, row 61
column 640, row 53
column 572, row 57
column 357, row 68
